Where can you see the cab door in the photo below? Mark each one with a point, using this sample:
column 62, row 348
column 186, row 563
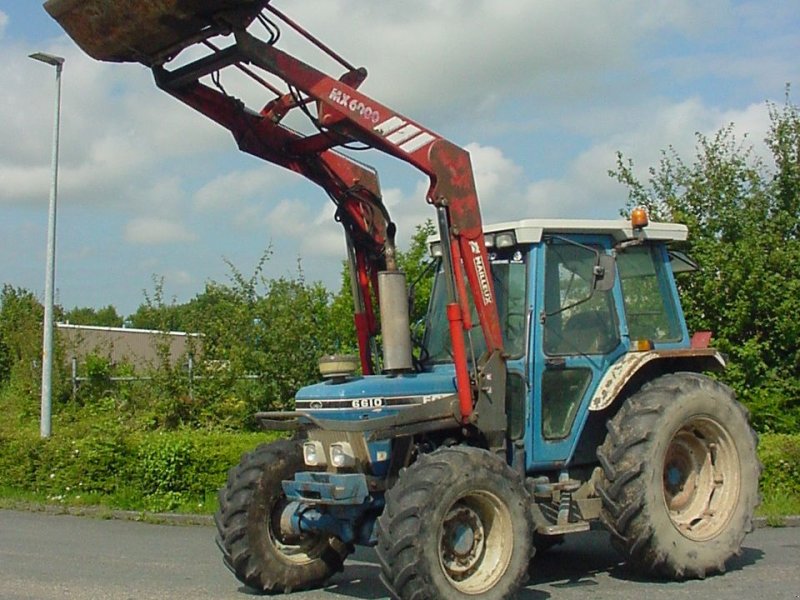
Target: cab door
column 577, row 335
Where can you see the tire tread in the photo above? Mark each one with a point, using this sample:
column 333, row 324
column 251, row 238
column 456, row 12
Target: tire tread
column 625, row 457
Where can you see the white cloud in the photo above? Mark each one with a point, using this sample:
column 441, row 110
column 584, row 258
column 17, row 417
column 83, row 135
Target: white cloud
column 752, row 121
column 408, row 209
column 162, row 196
column 496, row 177
column 662, row 124
column 326, row 241
column 312, row 230
column 585, row 190
column 464, row 59
column 30, row 183
column 541, row 93
column 178, row 277
column 116, row 129
column 229, row 190
column 453, row 56
column 152, row 231
column 290, row 218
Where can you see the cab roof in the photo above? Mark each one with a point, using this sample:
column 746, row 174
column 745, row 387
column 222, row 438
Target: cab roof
column 531, row 231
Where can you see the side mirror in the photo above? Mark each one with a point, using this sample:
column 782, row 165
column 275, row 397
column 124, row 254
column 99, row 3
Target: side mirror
column 605, row 272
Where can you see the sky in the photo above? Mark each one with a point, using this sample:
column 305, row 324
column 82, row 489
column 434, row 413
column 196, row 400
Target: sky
column 542, row 93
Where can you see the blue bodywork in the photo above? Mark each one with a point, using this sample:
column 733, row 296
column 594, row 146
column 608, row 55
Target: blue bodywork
column 541, row 453
column 346, row 504
column 342, row 504
column 339, row 504
column 342, row 401
column 439, row 381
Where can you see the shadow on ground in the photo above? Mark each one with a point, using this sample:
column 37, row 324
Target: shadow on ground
column 575, row 564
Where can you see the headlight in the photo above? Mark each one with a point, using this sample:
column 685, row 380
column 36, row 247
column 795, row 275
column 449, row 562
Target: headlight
column 505, row 240
column 314, row 454
column 342, row 455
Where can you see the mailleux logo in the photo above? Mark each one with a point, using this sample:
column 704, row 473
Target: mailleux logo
column 480, row 271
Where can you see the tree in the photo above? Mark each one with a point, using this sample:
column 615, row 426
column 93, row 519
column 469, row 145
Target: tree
column 274, row 330
column 293, row 332
column 743, row 214
column 102, row 317
column 155, row 313
column 21, row 317
column 414, row 263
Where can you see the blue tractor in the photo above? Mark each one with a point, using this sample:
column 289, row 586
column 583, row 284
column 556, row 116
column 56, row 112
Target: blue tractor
column 607, row 418
column 556, row 385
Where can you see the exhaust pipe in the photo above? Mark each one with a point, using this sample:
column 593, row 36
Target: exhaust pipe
column 393, row 294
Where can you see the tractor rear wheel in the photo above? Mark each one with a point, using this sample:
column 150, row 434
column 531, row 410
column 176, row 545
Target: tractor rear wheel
column 680, row 477
column 456, row 525
column 248, row 525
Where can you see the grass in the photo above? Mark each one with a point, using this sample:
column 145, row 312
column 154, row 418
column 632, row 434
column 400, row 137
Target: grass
column 102, row 506
column 777, row 505
column 774, row 506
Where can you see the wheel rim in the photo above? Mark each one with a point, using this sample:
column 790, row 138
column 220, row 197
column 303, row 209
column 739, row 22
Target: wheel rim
column 701, row 478
column 475, row 542
column 307, row 547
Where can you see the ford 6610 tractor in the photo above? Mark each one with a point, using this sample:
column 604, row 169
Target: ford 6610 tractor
column 556, row 385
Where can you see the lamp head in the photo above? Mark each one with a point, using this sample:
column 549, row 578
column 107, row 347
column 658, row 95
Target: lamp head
column 50, row 59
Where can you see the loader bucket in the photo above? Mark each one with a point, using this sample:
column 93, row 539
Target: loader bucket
column 148, row 31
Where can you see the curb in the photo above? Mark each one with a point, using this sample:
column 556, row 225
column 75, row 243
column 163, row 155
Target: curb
column 763, row 522
column 100, row 512
column 178, row 519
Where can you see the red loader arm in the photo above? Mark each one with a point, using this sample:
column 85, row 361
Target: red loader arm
column 343, row 115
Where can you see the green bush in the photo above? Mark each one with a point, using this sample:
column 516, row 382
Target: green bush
column 173, row 468
column 742, row 208
column 104, row 464
column 18, row 455
column 780, row 455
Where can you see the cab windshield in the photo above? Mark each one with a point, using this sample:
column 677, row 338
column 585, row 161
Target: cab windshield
column 509, row 277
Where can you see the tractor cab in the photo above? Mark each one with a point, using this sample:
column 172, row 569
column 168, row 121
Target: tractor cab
column 574, row 297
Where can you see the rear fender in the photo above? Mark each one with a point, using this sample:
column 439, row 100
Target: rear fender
column 636, row 368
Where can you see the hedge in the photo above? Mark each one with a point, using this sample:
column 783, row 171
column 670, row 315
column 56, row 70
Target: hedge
column 780, row 455
column 156, row 471
column 182, row 470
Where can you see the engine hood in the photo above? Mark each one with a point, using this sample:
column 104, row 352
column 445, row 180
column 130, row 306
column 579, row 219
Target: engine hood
column 378, row 391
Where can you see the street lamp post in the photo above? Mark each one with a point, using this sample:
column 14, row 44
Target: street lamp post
column 49, row 282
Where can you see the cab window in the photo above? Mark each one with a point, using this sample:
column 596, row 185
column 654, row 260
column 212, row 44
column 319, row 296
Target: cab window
column 649, row 303
column 509, row 275
column 578, row 319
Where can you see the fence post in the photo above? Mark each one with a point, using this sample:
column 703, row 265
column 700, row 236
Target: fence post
column 74, row 377
column 191, row 378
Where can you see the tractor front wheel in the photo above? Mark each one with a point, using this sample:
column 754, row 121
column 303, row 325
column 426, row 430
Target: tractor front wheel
column 681, row 477
column 248, row 525
column 456, row 525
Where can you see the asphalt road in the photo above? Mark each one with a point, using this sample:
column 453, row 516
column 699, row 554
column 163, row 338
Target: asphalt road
column 45, row 557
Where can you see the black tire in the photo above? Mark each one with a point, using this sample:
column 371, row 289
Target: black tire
column 457, row 491
column 249, row 532
column 680, row 477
